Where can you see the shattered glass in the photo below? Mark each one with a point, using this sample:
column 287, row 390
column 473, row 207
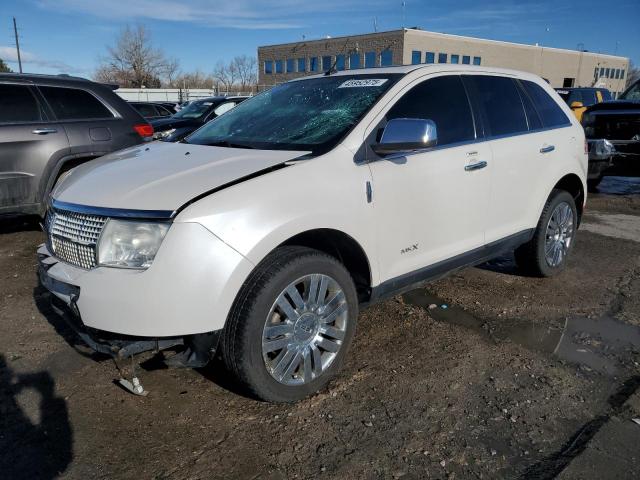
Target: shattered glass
column 309, row 115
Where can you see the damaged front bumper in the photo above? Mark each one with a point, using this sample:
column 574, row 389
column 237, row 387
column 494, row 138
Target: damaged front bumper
column 199, row 348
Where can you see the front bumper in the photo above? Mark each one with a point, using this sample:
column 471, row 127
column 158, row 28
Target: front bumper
column 188, row 290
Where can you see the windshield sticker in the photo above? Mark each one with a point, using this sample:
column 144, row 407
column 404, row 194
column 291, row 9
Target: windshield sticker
column 369, row 82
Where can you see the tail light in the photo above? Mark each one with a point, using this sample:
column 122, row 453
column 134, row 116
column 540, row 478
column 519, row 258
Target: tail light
column 144, row 130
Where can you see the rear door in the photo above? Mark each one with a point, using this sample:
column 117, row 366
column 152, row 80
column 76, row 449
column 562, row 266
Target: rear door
column 28, row 140
column 431, row 206
column 87, row 120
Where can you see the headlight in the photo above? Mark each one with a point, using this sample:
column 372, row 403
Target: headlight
column 163, row 134
column 130, row 244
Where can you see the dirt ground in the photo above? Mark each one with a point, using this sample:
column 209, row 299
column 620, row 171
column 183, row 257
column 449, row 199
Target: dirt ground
column 507, row 377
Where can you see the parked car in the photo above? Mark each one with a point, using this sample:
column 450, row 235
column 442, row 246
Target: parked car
column 580, row 98
column 151, row 110
column 173, row 107
column 50, row 124
column 262, row 234
column 617, row 121
column 192, row 117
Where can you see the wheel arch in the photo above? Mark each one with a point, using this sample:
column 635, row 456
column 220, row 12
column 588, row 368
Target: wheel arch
column 572, row 184
column 345, row 249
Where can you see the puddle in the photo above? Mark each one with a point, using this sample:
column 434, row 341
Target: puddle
column 603, row 345
column 620, row 185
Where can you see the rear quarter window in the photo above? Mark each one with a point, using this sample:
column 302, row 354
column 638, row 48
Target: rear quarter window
column 74, row 103
column 550, row 112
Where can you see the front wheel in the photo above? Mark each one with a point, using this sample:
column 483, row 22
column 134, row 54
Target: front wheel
column 291, row 325
column 546, row 253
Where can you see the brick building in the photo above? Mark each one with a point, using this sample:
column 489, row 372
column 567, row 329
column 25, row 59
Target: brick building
column 562, row 68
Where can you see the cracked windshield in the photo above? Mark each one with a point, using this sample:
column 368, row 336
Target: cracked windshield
column 306, row 115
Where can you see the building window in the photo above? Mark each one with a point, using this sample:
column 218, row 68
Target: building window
column 369, row 59
column 595, row 73
column 622, row 73
column 477, row 60
column 607, row 71
column 313, row 64
column 442, row 57
column 339, row 62
column 302, row 64
column 291, row 65
column 354, row 61
column 455, row 58
column 466, row 59
column 601, row 72
column 386, row 58
column 416, row 57
column 278, row 66
column 326, row 62
column 268, row 67
column 429, row 57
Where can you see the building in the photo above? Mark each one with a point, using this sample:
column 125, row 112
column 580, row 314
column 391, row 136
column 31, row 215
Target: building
column 562, row 68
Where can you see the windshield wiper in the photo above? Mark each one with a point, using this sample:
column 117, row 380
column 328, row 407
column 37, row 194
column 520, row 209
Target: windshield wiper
column 226, row 143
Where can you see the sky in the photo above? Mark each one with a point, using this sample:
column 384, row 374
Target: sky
column 71, row 36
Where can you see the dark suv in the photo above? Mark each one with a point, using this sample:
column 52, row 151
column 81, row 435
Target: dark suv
column 50, row 124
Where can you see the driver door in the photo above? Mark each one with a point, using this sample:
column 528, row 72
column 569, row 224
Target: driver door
column 431, row 206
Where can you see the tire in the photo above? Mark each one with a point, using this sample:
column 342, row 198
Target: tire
column 532, row 257
column 258, row 323
column 592, row 183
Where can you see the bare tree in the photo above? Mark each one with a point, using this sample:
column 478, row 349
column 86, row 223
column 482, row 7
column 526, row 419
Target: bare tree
column 225, row 75
column 195, row 79
column 134, row 62
column 247, row 73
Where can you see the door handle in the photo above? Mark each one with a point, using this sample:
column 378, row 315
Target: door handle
column 43, row 131
column 475, row 166
column 547, row 149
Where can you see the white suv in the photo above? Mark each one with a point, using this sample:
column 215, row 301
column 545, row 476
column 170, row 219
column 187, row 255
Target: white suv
column 262, row 233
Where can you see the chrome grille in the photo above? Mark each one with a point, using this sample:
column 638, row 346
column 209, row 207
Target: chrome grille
column 73, row 236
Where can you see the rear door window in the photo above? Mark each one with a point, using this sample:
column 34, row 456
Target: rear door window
column 550, row 112
column 443, row 100
column 74, row 104
column 499, row 99
column 18, row 105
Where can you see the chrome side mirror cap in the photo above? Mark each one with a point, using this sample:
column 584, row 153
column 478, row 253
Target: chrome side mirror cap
column 402, row 135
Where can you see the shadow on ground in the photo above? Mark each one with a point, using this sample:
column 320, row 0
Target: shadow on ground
column 32, row 449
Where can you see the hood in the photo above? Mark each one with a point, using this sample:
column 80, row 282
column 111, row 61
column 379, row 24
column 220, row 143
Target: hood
column 168, row 123
column 615, row 106
column 161, row 175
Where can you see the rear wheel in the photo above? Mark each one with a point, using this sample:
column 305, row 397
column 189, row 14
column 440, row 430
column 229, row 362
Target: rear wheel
column 547, row 252
column 291, row 325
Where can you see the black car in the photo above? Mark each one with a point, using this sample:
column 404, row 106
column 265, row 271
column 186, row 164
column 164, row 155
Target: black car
column 52, row 123
column 617, row 121
column 192, row 117
column 151, row 110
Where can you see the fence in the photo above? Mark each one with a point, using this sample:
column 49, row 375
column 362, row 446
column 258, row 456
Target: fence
column 181, row 94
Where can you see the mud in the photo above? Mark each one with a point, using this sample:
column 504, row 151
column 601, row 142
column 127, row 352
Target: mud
column 517, row 377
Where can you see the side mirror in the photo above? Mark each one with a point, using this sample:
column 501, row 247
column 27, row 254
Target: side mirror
column 406, row 135
column 575, row 105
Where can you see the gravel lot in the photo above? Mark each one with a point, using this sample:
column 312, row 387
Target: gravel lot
column 517, row 378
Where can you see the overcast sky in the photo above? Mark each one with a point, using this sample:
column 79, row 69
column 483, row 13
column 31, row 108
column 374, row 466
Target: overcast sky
column 70, row 35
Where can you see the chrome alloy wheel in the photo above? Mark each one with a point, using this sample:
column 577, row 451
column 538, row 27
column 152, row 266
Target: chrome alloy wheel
column 305, row 329
column 559, row 234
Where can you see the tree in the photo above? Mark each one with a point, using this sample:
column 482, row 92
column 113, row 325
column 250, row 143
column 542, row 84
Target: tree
column 633, row 74
column 240, row 73
column 134, row 62
column 195, row 79
column 4, row 68
column 246, row 70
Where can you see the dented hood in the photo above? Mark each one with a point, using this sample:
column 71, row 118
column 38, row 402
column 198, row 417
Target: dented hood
column 161, row 175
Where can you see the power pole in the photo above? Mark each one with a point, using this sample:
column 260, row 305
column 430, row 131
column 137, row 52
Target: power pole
column 15, row 32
